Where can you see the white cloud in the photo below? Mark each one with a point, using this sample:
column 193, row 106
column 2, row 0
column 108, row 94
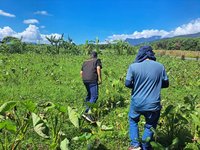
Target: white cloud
column 6, row 31
column 30, row 34
column 31, row 21
column 190, row 28
column 137, row 35
column 43, row 12
column 149, row 33
column 3, row 13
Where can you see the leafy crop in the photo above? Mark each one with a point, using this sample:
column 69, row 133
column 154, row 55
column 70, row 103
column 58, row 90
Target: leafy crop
column 42, row 99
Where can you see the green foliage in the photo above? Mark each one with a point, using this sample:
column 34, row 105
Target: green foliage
column 57, row 45
column 73, row 116
column 7, row 106
column 12, row 45
column 40, row 126
column 64, row 145
column 50, row 87
column 119, row 48
column 180, row 43
column 8, row 125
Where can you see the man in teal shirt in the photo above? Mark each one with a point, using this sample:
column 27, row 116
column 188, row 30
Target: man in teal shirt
column 145, row 77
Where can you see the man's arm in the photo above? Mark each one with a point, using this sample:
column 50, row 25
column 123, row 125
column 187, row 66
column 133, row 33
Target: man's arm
column 99, row 74
column 165, row 80
column 129, row 79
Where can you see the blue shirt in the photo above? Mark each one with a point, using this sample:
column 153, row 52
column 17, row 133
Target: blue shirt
column 146, row 80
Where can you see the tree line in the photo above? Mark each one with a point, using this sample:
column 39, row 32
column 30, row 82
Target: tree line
column 179, row 43
column 60, row 46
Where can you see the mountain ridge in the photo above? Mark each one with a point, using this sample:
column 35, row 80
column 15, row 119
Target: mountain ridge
column 155, row 38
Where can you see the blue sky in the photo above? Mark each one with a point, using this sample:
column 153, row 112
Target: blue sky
column 106, row 19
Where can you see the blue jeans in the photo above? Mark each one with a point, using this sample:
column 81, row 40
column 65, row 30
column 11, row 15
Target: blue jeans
column 151, row 118
column 92, row 93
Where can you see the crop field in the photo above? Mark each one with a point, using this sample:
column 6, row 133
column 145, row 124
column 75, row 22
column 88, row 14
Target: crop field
column 42, row 99
column 179, row 53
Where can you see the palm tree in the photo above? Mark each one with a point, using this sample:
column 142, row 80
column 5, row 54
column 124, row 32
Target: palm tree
column 56, row 42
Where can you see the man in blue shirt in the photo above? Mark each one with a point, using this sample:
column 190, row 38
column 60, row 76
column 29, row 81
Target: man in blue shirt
column 145, row 77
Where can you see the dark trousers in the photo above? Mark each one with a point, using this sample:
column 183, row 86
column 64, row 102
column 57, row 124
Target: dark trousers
column 92, row 94
column 151, row 119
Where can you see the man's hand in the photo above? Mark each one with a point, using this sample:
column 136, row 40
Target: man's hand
column 99, row 81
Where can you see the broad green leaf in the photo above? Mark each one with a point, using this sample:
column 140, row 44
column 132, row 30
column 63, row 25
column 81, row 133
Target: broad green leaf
column 36, row 119
column 30, row 105
column 73, row 117
column 196, row 119
column 168, row 110
column 64, row 144
column 106, row 128
column 83, row 137
column 48, row 105
column 39, row 126
column 2, row 125
column 99, row 123
column 8, row 125
column 7, row 106
column 11, row 126
column 61, row 108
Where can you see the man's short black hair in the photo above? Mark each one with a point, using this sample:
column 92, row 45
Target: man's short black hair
column 94, row 54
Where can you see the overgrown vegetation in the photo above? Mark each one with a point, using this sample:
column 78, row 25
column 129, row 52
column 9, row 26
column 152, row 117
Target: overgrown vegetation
column 42, row 99
column 42, row 96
